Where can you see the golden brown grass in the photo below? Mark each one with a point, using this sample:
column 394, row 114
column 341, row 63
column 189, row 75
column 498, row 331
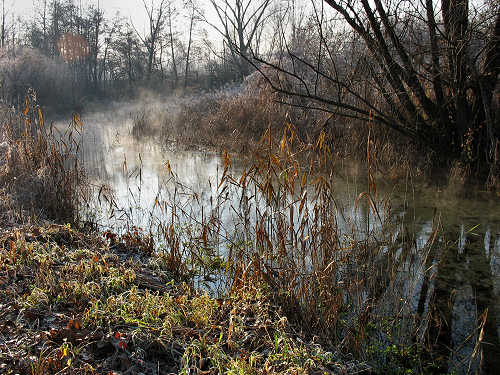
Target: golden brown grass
column 347, row 279
column 40, row 177
column 235, row 121
column 292, row 267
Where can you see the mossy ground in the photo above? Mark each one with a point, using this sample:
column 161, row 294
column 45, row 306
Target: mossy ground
column 74, row 303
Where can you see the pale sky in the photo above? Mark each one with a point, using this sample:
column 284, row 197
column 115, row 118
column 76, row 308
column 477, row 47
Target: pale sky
column 131, row 9
column 126, row 7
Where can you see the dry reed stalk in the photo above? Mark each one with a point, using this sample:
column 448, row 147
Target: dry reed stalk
column 41, row 170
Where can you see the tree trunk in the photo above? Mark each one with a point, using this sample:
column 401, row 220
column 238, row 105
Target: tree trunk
column 172, row 49
column 3, row 23
column 191, row 24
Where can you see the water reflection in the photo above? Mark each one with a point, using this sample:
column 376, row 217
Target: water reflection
column 462, row 267
column 464, row 281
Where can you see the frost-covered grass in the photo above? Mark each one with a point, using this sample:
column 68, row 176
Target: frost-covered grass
column 72, row 303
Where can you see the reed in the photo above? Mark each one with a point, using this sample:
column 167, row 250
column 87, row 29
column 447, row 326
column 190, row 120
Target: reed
column 350, row 279
column 235, row 120
column 40, row 177
column 273, row 246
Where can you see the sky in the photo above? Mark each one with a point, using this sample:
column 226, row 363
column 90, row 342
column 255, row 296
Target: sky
column 127, row 8
column 131, row 9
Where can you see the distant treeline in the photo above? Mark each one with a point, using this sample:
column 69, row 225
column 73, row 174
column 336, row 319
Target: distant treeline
column 68, row 52
column 427, row 72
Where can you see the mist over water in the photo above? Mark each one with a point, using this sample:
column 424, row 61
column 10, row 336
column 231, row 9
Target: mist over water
column 142, row 173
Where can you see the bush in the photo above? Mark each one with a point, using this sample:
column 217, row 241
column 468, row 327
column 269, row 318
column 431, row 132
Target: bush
column 236, row 119
column 27, row 68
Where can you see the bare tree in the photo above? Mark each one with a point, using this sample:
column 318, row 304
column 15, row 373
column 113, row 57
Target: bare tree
column 288, row 19
column 171, row 14
column 156, row 23
column 426, row 70
column 193, row 18
column 43, row 15
column 125, row 52
column 37, row 33
column 96, row 18
column 3, row 24
column 240, row 22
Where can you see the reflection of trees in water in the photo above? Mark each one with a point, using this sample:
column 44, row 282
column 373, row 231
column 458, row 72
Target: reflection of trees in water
column 481, row 278
column 94, row 153
column 459, row 279
column 459, row 290
column 138, row 174
column 456, row 282
column 440, row 313
column 460, row 282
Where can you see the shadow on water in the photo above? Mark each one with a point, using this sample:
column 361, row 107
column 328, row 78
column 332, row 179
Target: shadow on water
column 456, row 302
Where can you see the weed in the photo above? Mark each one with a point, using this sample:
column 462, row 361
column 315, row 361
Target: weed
column 288, row 275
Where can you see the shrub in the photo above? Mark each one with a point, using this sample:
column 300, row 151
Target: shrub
column 27, row 68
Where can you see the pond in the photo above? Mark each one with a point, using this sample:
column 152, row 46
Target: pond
column 455, row 234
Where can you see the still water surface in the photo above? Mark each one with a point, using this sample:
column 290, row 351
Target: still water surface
column 467, row 277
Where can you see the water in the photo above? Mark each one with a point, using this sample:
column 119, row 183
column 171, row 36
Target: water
column 463, row 276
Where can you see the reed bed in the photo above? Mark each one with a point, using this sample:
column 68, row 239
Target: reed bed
column 40, row 175
column 268, row 274
column 235, row 120
column 353, row 280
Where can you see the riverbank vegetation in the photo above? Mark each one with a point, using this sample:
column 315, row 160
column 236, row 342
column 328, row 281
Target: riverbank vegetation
column 73, row 303
column 427, row 74
column 290, row 283
column 40, row 176
column 235, row 120
column 273, row 274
